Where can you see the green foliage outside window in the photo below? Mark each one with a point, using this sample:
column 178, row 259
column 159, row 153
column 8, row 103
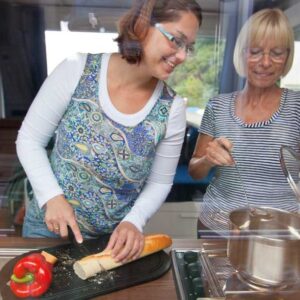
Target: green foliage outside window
column 197, row 79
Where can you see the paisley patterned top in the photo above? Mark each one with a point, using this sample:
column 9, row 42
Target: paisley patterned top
column 100, row 164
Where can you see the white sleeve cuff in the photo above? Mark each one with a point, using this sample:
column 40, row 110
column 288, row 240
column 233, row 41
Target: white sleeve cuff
column 149, row 201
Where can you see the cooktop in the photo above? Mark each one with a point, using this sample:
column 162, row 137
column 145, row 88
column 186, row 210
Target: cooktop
column 207, row 273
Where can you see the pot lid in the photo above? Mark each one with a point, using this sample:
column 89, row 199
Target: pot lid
column 290, row 164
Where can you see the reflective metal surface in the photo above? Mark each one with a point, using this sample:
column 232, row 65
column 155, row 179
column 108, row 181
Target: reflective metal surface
column 220, row 280
column 264, row 246
column 290, row 165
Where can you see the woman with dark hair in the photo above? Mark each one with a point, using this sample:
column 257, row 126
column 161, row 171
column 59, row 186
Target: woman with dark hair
column 241, row 132
column 119, row 131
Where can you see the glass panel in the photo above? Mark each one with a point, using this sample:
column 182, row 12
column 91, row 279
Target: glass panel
column 197, row 79
column 35, row 35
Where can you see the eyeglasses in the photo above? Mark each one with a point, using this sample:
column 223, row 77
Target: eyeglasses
column 277, row 55
column 178, row 42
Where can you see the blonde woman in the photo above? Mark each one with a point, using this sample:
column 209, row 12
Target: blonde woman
column 241, row 132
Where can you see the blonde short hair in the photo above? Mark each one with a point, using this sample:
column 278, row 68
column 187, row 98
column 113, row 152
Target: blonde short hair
column 267, row 23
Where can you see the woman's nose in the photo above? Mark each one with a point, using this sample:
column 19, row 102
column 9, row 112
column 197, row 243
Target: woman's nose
column 266, row 59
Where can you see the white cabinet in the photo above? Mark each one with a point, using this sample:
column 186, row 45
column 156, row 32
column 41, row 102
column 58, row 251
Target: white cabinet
column 177, row 219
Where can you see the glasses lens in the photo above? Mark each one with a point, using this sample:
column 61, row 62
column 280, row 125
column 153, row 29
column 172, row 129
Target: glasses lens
column 256, row 54
column 278, row 54
column 253, row 54
column 178, row 42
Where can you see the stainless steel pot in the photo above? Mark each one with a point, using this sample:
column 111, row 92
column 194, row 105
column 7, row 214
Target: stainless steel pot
column 264, row 246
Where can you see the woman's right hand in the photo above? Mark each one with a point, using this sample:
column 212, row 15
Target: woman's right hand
column 59, row 215
column 218, row 152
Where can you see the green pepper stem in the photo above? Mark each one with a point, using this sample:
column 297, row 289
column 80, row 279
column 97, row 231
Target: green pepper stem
column 27, row 278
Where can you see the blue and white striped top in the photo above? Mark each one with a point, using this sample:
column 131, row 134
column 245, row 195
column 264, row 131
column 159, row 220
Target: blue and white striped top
column 256, row 151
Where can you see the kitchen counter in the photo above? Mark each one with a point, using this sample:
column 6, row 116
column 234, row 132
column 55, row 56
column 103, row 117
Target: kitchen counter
column 162, row 288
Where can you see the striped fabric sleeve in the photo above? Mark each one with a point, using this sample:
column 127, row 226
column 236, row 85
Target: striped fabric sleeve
column 208, row 121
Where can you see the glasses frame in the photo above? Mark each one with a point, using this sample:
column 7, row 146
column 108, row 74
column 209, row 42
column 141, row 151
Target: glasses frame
column 261, row 54
column 178, row 42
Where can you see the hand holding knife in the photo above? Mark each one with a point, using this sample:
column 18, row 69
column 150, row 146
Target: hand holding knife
column 79, row 246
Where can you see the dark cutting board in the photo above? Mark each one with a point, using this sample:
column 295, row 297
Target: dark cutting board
column 67, row 285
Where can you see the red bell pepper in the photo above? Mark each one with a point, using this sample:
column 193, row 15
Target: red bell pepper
column 32, row 276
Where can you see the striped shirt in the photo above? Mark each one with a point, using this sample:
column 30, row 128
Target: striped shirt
column 257, row 179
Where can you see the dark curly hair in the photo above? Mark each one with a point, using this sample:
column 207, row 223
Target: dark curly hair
column 134, row 25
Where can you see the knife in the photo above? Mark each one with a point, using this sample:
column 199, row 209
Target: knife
column 79, row 246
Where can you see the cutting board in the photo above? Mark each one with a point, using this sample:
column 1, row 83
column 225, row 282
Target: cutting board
column 67, row 285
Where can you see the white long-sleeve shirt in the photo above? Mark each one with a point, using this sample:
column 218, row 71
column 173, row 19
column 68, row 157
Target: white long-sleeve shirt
column 46, row 112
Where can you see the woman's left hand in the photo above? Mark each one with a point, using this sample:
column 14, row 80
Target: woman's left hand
column 126, row 242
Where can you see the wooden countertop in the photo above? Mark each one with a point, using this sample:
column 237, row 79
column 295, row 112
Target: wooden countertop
column 162, row 288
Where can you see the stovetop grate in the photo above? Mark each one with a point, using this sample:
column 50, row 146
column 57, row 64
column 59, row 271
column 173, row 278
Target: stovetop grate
column 217, row 266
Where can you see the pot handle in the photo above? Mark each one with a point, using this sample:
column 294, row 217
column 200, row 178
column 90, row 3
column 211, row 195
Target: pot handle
column 260, row 213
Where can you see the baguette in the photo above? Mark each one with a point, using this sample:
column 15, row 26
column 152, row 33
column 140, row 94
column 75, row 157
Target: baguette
column 91, row 265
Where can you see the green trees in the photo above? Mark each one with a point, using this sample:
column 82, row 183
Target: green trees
column 197, row 78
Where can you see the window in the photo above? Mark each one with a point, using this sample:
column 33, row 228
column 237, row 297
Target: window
column 73, row 42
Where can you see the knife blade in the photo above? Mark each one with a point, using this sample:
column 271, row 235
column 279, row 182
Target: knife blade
column 79, row 246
